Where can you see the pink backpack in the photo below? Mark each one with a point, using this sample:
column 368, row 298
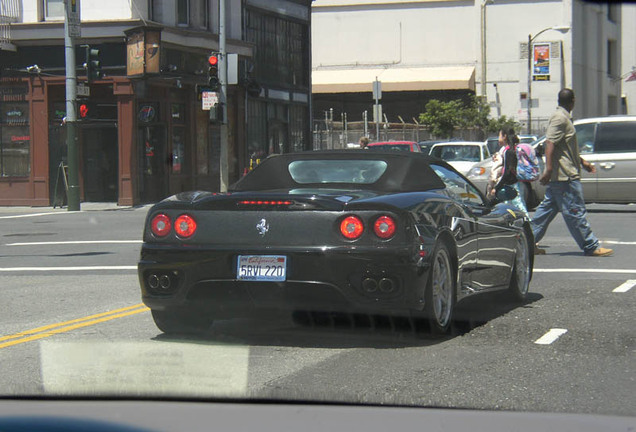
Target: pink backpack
column 527, row 163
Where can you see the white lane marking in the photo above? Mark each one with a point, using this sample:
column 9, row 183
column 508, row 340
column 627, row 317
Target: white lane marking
column 625, row 286
column 583, row 270
column 34, row 214
column 82, row 268
column 76, row 242
column 618, row 242
column 550, row 336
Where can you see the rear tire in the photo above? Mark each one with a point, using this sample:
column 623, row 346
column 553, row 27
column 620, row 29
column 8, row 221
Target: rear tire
column 520, row 277
column 174, row 321
column 440, row 291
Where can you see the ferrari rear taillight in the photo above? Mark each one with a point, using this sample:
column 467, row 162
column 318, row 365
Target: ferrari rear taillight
column 384, row 227
column 160, row 225
column 185, row 226
column 265, row 203
column 351, row 227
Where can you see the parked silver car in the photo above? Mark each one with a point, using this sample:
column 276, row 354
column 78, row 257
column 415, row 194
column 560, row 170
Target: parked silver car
column 607, row 142
column 610, row 144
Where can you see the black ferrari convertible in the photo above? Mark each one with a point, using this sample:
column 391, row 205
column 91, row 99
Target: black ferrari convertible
column 333, row 231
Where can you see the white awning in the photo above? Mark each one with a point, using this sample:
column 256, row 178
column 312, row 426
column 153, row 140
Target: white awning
column 393, row 79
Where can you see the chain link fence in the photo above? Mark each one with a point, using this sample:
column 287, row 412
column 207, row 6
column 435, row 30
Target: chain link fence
column 329, row 134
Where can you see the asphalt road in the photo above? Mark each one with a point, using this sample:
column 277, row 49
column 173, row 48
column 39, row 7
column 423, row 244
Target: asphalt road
column 72, row 323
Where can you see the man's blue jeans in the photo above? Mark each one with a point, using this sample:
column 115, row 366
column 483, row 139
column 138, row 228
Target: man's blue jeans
column 565, row 197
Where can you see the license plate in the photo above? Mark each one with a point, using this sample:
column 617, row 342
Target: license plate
column 268, row 268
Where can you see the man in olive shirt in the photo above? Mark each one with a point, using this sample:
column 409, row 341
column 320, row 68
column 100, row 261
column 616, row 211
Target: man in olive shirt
column 562, row 176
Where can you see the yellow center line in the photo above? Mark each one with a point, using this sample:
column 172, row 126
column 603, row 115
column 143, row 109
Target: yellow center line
column 41, row 332
column 61, row 324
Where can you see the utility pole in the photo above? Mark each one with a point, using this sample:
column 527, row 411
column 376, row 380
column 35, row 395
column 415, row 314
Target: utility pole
column 71, row 26
column 224, row 163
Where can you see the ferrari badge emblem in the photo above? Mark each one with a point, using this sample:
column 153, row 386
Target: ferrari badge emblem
column 262, row 227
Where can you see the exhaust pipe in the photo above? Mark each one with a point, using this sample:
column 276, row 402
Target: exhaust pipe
column 164, row 281
column 153, row 281
column 386, row 285
column 369, row 285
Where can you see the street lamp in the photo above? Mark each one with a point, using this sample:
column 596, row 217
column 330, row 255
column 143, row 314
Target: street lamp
column 483, row 45
column 560, row 28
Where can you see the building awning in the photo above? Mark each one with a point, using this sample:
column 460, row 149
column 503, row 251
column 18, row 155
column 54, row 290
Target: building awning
column 393, row 79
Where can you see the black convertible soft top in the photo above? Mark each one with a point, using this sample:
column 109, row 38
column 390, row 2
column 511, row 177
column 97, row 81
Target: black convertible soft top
column 406, row 172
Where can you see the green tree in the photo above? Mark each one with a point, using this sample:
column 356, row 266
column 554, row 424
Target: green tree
column 442, row 117
column 476, row 113
column 503, row 122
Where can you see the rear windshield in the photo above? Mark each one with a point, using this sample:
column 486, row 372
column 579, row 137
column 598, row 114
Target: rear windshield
column 459, row 153
column 391, row 147
column 336, row 171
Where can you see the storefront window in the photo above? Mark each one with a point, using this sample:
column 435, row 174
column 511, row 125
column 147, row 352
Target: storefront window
column 201, row 137
column 256, row 131
column 298, row 127
column 178, row 149
column 15, row 140
column 177, row 113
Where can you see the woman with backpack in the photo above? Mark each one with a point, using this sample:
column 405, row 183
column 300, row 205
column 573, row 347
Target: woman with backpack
column 504, row 170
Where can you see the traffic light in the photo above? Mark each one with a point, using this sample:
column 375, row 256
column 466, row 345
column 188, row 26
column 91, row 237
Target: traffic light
column 213, row 71
column 84, row 110
column 93, row 64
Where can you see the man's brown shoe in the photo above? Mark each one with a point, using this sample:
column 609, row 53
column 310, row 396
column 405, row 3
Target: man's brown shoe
column 538, row 250
column 601, row 252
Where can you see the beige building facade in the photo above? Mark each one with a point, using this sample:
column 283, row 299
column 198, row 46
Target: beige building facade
column 428, row 49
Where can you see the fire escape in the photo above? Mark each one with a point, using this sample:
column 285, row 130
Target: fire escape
column 9, row 13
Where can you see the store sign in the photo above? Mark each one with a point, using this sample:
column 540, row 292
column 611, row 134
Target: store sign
column 147, row 114
column 15, row 115
column 143, row 51
column 15, row 138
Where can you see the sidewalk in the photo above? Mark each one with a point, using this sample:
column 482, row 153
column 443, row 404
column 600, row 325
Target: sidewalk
column 85, row 206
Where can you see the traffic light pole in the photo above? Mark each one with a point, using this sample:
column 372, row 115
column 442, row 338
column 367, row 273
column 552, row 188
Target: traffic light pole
column 224, row 162
column 73, row 194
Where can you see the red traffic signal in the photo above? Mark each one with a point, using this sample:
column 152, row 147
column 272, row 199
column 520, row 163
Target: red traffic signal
column 213, row 71
column 84, row 110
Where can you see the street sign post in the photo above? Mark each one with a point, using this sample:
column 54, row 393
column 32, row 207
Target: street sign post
column 74, row 24
column 377, row 108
